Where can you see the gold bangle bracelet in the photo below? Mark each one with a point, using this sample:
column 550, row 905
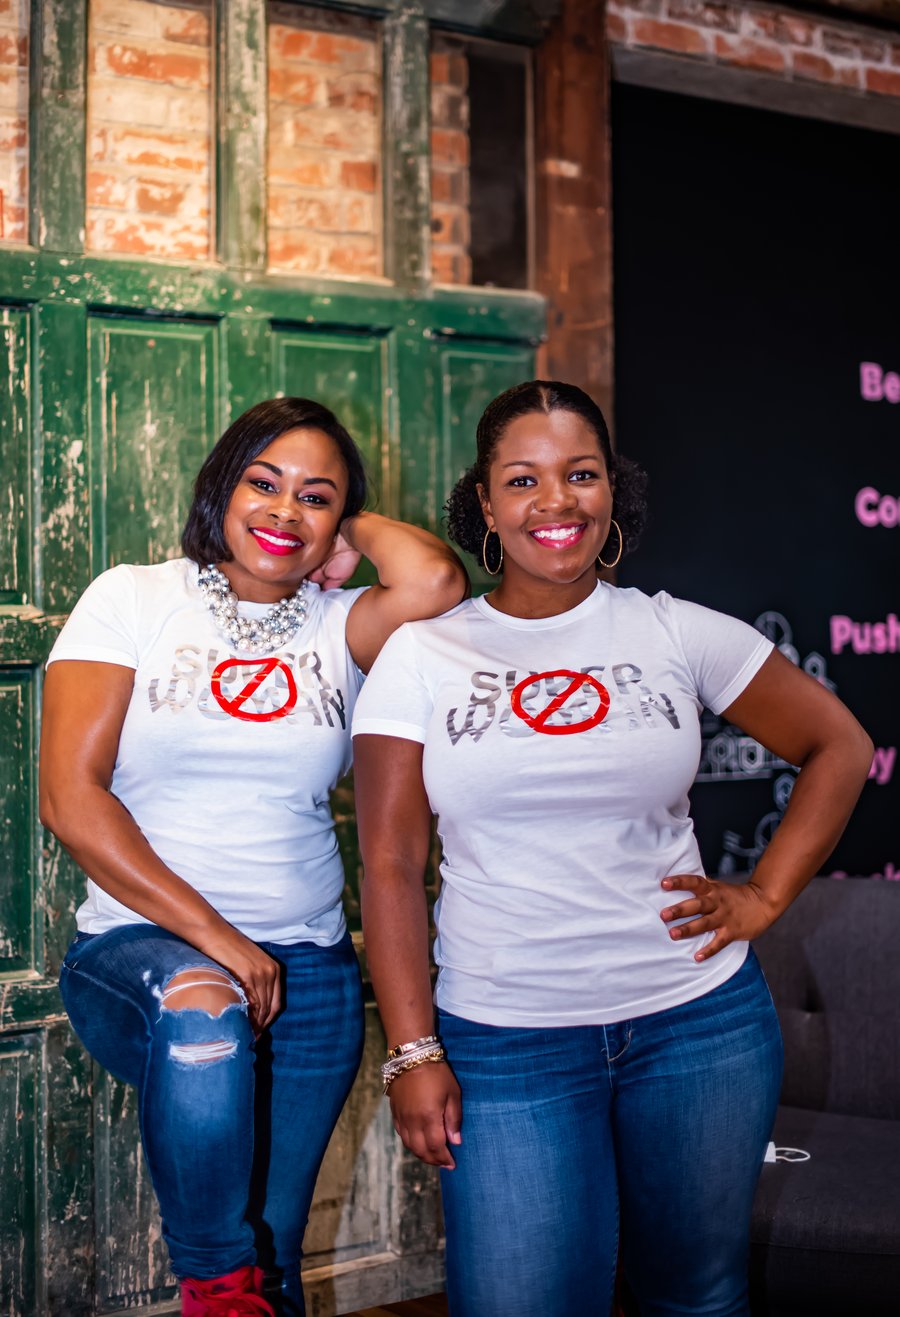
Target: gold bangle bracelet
column 389, row 1075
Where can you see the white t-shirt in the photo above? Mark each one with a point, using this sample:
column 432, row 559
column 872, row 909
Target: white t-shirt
column 558, row 754
column 226, row 763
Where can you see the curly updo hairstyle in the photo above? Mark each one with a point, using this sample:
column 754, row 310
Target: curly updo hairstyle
column 465, row 521
column 243, row 441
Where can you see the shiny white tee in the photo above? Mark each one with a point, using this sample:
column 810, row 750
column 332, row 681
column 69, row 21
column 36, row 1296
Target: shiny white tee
column 558, row 754
column 225, row 762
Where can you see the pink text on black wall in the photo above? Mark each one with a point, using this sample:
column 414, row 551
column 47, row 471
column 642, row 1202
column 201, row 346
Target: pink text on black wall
column 877, row 384
column 865, row 637
column 875, row 509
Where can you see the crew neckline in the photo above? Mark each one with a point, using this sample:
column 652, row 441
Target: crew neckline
column 540, row 623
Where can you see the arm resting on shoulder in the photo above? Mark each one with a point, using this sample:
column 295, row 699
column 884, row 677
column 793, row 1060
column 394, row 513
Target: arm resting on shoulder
column 83, row 711
column 418, row 576
column 802, row 722
column 394, row 821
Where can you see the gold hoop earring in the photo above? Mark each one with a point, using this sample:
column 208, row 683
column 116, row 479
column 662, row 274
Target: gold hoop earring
column 615, row 561
column 496, row 572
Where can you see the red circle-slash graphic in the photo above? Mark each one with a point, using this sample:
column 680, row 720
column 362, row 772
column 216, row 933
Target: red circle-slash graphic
column 539, row 720
column 265, row 668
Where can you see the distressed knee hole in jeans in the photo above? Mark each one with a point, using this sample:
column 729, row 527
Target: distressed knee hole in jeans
column 202, row 1053
column 207, row 989
column 210, row 992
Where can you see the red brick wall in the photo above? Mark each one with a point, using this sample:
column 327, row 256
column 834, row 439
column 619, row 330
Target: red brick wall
column 762, row 37
column 324, row 142
column 149, row 123
column 14, row 120
column 450, row 260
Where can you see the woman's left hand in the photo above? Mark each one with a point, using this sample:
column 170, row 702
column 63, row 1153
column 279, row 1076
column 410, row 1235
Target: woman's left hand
column 734, row 912
column 338, row 567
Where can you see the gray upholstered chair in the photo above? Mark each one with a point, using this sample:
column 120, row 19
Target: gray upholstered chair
column 826, row 1232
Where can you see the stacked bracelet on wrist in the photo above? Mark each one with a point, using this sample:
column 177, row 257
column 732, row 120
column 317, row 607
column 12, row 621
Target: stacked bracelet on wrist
column 406, row 1056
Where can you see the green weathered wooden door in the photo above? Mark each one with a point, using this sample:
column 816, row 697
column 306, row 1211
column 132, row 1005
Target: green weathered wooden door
column 116, row 378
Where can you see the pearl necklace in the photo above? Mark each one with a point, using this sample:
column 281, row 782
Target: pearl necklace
column 253, row 635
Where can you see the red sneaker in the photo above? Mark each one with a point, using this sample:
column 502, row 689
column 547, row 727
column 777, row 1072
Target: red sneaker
column 239, row 1294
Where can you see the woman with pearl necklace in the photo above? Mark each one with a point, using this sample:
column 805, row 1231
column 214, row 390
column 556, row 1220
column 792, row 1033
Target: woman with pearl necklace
column 196, row 715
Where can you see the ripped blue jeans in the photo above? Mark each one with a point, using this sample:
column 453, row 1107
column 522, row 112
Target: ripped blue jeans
column 234, row 1128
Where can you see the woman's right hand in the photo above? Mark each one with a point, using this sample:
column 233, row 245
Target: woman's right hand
column 427, row 1110
column 257, row 973
column 340, row 564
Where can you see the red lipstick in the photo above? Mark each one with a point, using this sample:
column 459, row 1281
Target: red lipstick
column 278, row 542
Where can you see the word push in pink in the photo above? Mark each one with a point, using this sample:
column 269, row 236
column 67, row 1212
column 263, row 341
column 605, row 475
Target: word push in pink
column 865, row 637
column 876, row 384
column 874, row 509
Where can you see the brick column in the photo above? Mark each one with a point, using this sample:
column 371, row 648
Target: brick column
column 450, row 197
column 573, row 213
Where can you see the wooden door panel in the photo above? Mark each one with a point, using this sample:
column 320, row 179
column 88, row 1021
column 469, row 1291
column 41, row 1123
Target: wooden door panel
column 445, row 385
column 347, row 372
column 15, row 455
column 63, row 550
column 132, row 1260
column 68, row 1262
column 17, row 781
column 153, row 418
column 20, row 1197
column 471, row 375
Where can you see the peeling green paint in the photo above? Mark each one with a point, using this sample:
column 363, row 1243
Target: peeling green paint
column 16, row 524
column 152, row 288
column 57, row 123
column 406, row 149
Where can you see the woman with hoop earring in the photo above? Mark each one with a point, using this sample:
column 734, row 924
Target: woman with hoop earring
column 604, row 1049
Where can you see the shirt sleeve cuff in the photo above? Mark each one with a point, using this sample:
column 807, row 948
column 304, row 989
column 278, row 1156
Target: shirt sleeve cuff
column 384, row 727
column 90, row 654
column 743, row 679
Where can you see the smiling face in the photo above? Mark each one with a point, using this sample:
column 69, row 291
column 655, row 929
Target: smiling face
column 550, row 500
column 284, row 514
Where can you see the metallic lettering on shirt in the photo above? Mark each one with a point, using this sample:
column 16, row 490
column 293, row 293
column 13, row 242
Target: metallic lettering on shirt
column 634, row 705
column 188, row 684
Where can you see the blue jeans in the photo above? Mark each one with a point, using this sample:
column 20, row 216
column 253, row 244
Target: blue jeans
column 660, row 1122
column 233, row 1144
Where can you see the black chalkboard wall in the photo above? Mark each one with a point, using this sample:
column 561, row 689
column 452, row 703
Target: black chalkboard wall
column 757, row 313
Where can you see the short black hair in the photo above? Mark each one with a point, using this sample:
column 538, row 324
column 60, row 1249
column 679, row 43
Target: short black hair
column 465, row 520
column 203, row 539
